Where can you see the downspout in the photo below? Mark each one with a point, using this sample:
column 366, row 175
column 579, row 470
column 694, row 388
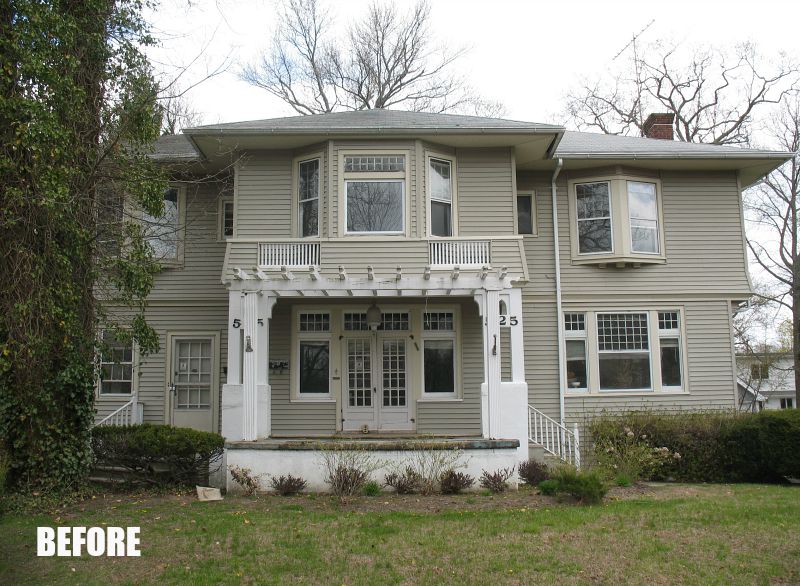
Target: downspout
column 562, row 375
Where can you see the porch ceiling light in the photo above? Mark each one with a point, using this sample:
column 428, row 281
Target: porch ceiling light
column 374, row 316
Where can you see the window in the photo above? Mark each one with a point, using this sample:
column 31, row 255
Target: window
column 526, row 214
column 616, row 219
column 759, row 371
column 787, row 403
column 575, row 331
column 624, row 351
column 643, row 211
column 593, row 204
column 390, row 322
column 116, row 366
column 163, row 233
column 669, row 343
column 308, row 184
column 225, row 218
column 439, row 353
column 313, row 354
column 441, row 195
column 374, row 189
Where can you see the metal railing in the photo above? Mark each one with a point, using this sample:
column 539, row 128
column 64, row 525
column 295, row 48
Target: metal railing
column 459, row 252
column 130, row 413
column 288, row 254
column 554, row 437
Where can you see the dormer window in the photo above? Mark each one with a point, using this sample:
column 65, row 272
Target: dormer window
column 616, row 221
column 374, row 188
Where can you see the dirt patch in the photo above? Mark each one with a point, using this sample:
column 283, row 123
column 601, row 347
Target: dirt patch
column 524, row 498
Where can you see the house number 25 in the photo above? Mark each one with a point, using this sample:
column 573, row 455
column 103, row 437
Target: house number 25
column 508, row 320
column 237, row 323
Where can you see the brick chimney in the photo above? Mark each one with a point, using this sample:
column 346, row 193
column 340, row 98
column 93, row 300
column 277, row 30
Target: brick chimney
column 659, row 126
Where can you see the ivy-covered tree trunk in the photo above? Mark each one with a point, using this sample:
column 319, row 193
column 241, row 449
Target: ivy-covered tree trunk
column 77, row 107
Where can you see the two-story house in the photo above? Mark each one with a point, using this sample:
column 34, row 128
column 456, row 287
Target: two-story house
column 766, row 381
column 485, row 282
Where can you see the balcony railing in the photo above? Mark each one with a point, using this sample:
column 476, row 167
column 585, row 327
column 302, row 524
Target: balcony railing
column 462, row 253
column 288, row 254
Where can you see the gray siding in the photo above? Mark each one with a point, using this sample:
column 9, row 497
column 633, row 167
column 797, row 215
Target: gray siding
column 264, row 195
column 485, row 192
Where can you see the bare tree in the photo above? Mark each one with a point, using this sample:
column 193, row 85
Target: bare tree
column 177, row 112
column 385, row 60
column 713, row 94
column 773, row 209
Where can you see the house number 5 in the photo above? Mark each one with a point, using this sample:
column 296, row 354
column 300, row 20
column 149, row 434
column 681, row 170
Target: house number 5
column 237, row 323
column 508, row 320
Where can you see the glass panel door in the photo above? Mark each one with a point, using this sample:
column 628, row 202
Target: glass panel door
column 191, row 383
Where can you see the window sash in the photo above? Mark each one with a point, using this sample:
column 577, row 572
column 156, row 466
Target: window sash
column 117, row 361
column 441, row 218
column 308, row 188
column 441, row 180
column 161, row 233
column 439, row 360
column 313, row 377
column 375, row 221
column 227, row 219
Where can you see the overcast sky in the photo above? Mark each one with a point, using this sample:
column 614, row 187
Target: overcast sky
column 525, row 54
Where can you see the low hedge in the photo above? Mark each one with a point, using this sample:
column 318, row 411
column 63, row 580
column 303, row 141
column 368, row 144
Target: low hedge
column 158, row 454
column 712, row 447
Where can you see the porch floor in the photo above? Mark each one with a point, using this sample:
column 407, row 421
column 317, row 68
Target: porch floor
column 376, row 442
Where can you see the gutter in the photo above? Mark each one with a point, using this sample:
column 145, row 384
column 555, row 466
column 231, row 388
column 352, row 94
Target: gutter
column 562, row 374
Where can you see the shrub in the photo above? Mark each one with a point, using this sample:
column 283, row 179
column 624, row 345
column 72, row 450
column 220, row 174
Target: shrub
column 587, row 487
column 244, row 477
column 713, row 447
column 497, row 481
column 453, row 482
column 628, row 452
column 287, row 485
column 532, row 472
column 549, row 487
column 347, row 470
column 372, row 488
column 407, row 481
column 623, row 480
column 159, row 454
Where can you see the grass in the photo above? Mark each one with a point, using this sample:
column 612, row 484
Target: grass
column 715, row 534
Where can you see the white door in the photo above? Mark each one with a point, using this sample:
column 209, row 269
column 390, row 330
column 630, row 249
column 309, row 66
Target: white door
column 191, row 384
column 376, row 383
column 358, row 403
column 394, row 403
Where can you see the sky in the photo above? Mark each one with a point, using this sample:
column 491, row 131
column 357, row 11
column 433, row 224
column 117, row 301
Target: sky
column 527, row 54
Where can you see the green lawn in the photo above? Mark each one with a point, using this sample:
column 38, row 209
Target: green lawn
column 718, row 534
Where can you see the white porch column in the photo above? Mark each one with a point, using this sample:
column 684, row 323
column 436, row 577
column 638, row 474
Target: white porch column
column 246, row 400
column 517, row 337
column 491, row 321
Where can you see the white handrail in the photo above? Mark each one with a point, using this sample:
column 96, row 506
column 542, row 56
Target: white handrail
column 288, row 254
column 128, row 414
column 554, row 437
column 459, row 252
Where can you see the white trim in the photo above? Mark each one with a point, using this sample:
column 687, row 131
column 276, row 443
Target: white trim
column 433, row 335
column 297, row 337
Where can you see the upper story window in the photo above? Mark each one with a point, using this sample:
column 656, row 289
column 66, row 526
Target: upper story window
column 440, row 181
column 163, row 233
column 616, row 219
column 526, row 213
column 759, row 371
column 225, row 218
column 374, row 187
column 308, row 188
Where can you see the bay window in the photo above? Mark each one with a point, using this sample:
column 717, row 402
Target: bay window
column 624, row 351
column 616, row 219
column 374, row 188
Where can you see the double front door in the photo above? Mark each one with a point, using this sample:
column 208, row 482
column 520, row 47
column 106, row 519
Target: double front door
column 375, row 389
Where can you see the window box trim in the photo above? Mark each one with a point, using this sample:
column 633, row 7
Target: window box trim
column 621, row 240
